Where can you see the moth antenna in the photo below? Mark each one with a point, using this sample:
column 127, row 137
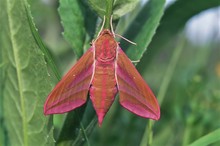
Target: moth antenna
column 135, row 61
column 126, row 39
column 103, row 23
column 112, row 26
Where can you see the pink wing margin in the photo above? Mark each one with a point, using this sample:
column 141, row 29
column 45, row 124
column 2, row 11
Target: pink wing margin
column 134, row 93
column 71, row 92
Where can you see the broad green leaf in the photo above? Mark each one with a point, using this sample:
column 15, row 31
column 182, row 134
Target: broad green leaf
column 145, row 25
column 120, row 7
column 207, row 139
column 26, row 81
column 73, row 21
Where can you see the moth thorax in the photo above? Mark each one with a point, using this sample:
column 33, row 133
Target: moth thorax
column 105, row 48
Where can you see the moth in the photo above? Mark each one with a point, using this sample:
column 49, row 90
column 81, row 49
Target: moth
column 102, row 72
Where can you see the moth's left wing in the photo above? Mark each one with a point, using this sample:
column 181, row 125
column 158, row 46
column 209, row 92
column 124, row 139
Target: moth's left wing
column 71, row 92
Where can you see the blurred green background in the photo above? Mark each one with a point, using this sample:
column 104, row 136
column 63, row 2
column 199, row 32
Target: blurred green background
column 181, row 65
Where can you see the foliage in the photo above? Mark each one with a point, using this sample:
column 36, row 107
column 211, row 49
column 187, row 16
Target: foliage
column 185, row 77
column 23, row 68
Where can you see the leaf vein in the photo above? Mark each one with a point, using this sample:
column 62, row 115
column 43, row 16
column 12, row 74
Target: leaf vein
column 15, row 48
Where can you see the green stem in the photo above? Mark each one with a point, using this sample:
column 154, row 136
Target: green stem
column 147, row 138
column 84, row 133
column 150, row 134
column 108, row 13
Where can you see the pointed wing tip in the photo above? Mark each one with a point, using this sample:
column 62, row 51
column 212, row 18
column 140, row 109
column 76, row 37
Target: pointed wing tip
column 47, row 112
column 150, row 116
column 156, row 117
column 140, row 111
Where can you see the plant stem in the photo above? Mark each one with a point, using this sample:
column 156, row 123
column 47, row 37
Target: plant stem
column 147, row 138
column 84, row 133
column 108, row 13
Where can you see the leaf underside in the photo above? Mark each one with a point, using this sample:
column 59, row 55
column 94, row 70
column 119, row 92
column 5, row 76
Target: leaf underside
column 26, row 80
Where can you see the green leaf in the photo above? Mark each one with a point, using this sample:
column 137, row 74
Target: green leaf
column 26, row 80
column 99, row 6
column 145, row 25
column 72, row 17
column 207, row 139
column 120, row 7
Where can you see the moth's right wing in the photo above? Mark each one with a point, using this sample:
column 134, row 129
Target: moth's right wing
column 134, row 93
